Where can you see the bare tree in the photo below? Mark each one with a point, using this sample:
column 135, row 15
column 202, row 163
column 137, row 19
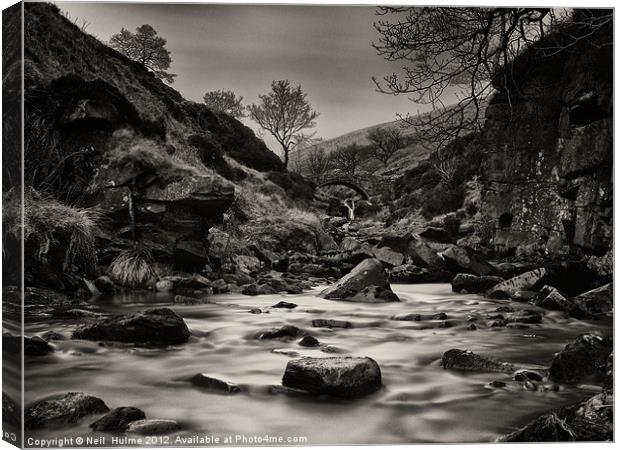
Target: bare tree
column 225, row 102
column 146, row 47
column 285, row 113
column 317, row 163
column 385, row 142
column 468, row 51
column 444, row 164
column 347, row 160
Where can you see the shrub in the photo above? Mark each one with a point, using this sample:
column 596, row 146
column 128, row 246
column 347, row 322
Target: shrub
column 53, row 233
column 441, row 200
column 133, row 268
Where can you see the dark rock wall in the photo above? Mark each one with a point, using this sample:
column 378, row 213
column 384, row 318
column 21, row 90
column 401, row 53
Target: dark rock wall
column 548, row 175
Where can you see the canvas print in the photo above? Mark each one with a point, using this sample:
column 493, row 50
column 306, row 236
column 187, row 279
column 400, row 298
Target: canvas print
column 294, row 225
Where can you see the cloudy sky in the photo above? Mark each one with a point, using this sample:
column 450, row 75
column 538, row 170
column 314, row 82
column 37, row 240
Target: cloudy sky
column 325, row 49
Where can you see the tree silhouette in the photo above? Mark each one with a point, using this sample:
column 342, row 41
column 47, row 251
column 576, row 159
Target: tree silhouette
column 466, row 52
column 285, row 112
column 225, row 102
column 347, row 160
column 385, row 142
column 146, row 47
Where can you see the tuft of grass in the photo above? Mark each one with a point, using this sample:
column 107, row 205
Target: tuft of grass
column 51, row 228
column 133, row 268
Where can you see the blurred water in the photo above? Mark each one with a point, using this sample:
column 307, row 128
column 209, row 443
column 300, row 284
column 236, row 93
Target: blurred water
column 420, row 402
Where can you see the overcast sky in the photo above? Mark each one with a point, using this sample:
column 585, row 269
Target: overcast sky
column 325, row 49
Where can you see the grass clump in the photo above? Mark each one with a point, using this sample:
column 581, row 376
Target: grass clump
column 53, row 233
column 133, row 268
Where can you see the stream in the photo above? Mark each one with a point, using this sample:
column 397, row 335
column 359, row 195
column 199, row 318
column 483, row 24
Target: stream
column 419, row 402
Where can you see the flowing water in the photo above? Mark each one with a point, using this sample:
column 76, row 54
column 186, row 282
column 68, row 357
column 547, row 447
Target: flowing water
column 419, row 402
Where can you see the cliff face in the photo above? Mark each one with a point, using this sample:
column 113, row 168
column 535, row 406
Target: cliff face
column 547, row 178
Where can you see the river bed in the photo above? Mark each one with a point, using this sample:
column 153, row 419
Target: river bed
column 419, row 401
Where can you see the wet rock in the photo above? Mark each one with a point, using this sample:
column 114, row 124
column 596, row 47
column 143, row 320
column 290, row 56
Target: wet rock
column 525, row 374
column 550, row 298
column 590, row 420
column 309, row 341
column 160, row 326
column 219, row 286
column 497, row 384
column 118, row 419
column 367, row 283
column 420, row 317
column 151, row 427
column 524, row 316
column 286, row 331
column 105, row 285
column 264, row 289
column 523, row 282
column 472, row 327
column 185, row 300
column 285, row 305
column 596, row 302
column 337, row 376
column 33, row 346
column 410, row 273
column 585, row 356
column 256, row 311
column 388, row 257
column 53, row 336
column 77, row 313
column 468, row 361
column 195, row 282
column 350, row 244
column 523, row 296
column 330, row 323
column 249, row 289
column 164, row 286
column 466, row 260
column 63, row 410
column 205, row 381
column 473, row 283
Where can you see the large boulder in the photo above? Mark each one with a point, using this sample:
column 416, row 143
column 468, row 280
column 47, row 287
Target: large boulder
column 466, row 260
column 63, row 410
column 550, row 298
column 338, row 376
column 388, row 257
column 597, row 302
column 367, row 283
column 158, row 326
column 474, row 283
column 523, row 282
column 410, row 273
column 585, row 356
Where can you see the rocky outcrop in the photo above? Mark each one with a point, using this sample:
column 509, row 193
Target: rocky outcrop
column 547, row 167
column 159, row 326
column 339, row 376
column 366, row 283
column 63, row 410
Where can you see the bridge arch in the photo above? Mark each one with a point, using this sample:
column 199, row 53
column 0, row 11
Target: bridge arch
column 347, row 183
